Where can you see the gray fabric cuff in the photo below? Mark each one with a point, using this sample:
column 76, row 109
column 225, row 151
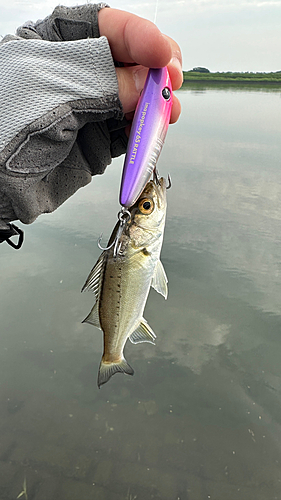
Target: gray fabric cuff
column 50, row 153
column 48, row 157
column 70, row 23
column 45, row 77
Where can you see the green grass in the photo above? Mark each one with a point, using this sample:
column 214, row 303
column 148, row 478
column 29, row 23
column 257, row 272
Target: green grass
column 229, row 77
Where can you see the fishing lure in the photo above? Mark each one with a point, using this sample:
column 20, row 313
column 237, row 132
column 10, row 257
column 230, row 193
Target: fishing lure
column 148, row 132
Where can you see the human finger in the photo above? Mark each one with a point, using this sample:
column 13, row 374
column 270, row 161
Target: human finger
column 134, row 39
column 176, row 110
column 131, row 82
column 175, row 64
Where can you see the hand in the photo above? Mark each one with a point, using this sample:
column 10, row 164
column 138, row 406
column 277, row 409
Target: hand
column 134, row 40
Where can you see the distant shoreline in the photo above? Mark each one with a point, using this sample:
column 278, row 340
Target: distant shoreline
column 233, row 78
column 234, row 82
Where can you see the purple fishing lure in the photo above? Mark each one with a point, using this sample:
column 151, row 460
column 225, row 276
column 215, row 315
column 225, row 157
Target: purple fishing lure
column 149, row 128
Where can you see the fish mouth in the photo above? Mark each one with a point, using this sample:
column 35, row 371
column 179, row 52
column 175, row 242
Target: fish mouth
column 160, row 187
column 155, row 190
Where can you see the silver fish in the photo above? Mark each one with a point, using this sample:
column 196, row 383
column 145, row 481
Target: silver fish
column 121, row 282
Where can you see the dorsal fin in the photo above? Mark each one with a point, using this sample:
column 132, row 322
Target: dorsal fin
column 94, row 280
column 93, row 317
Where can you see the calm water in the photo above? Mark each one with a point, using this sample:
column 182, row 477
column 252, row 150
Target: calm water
column 201, row 418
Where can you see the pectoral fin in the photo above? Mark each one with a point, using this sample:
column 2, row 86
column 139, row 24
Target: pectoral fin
column 160, row 280
column 143, row 333
column 108, row 369
column 93, row 317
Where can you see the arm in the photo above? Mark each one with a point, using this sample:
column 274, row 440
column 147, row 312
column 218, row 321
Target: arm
column 64, row 123
column 64, row 102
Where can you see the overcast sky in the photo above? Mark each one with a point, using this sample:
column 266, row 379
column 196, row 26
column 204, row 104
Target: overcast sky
column 235, row 35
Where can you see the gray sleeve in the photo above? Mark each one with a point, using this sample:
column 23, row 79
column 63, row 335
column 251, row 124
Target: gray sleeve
column 66, row 24
column 61, row 120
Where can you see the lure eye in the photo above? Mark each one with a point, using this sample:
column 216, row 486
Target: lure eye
column 166, row 93
column 146, row 206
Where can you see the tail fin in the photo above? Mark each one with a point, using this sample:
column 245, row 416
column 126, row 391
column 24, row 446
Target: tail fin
column 107, row 369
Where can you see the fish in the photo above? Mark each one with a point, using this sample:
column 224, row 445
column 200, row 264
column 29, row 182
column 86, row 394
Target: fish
column 121, row 281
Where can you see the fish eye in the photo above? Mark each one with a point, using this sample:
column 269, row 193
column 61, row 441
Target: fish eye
column 146, row 206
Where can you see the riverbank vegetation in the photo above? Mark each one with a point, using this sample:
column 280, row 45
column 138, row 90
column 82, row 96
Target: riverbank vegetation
column 198, row 75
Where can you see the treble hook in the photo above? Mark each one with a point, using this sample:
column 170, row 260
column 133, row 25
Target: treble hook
column 156, row 178
column 169, row 182
column 104, row 248
column 123, row 217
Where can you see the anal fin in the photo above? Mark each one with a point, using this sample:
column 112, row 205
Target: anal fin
column 143, row 333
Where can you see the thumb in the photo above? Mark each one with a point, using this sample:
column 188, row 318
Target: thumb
column 131, row 80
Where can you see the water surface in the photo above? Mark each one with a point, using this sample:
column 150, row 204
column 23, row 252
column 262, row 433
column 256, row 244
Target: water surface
column 201, row 418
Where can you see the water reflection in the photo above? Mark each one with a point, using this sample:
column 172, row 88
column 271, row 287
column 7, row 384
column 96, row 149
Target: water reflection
column 201, row 416
column 196, row 87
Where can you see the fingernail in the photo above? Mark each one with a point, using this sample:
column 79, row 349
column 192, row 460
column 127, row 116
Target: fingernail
column 175, row 61
column 139, row 78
